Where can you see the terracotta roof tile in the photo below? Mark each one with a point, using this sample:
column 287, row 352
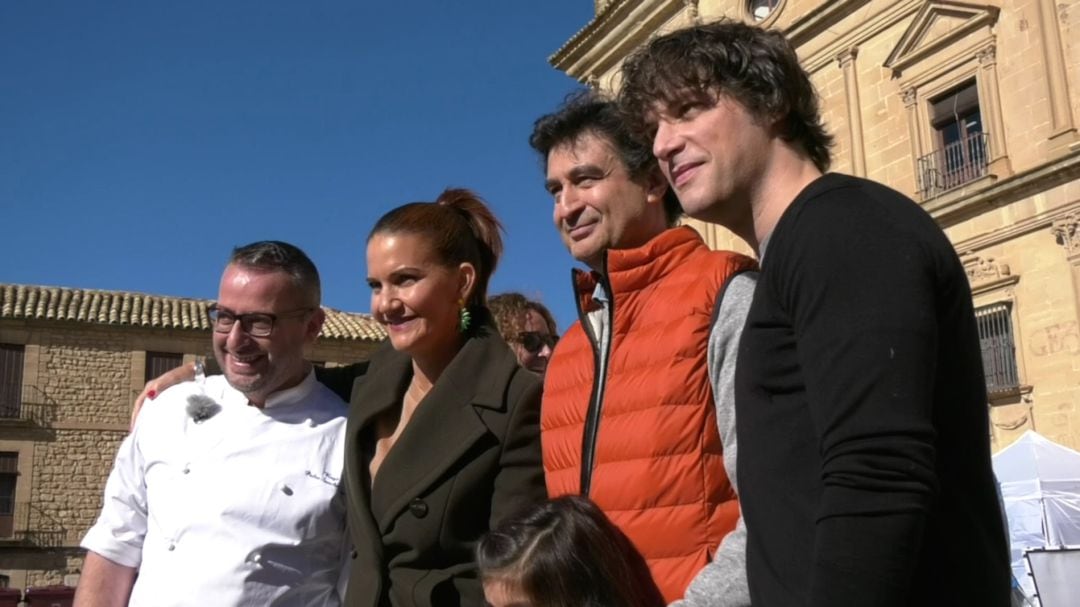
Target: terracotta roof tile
column 156, row 311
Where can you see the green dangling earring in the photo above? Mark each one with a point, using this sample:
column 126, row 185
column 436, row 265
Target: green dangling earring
column 464, row 318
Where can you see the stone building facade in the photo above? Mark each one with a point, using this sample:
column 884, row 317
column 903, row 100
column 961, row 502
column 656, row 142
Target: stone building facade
column 971, row 109
column 71, row 363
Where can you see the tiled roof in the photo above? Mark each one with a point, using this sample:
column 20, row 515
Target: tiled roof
column 142, row 310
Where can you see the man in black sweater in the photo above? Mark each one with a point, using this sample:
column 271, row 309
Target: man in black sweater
column 864, row 461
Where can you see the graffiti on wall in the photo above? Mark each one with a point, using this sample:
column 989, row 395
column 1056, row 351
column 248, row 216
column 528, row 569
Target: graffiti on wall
column 1055, row 339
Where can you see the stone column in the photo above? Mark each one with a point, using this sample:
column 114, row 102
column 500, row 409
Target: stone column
column 990, row 108
column 1061, row 121
column 846, row 60
column 911, row 97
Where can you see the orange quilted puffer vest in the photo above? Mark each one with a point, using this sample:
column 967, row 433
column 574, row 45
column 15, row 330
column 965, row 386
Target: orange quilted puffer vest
column 657, row 462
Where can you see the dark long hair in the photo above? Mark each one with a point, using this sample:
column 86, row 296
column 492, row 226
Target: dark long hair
column 460, row 228
column 565, row 552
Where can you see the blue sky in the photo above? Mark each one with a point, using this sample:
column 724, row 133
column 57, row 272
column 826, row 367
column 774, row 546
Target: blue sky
column 141, row 141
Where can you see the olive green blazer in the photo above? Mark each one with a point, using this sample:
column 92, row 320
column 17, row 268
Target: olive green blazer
column 469, row 456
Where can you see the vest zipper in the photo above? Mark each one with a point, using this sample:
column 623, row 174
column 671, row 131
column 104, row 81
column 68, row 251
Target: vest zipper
column 600, row 366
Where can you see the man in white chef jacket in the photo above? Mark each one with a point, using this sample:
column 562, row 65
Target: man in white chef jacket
column 226, row 492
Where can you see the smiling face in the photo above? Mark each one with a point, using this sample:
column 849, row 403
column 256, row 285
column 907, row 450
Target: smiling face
column 598, row 206
column 260, row 366
column 715, row 154
column 415, row 295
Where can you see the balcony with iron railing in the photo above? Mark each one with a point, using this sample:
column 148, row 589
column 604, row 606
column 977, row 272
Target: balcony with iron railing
column 33, row 409
column 953, row 165
column 30, row 526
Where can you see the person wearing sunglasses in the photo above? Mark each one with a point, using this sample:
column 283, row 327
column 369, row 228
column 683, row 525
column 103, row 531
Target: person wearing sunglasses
column 527, row 326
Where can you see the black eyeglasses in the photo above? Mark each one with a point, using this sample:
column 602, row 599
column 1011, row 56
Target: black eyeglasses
column 256, row 324
column 533, row 341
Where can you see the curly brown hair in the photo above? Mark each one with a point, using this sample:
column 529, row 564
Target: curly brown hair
column 756, row 67
column 509, row 310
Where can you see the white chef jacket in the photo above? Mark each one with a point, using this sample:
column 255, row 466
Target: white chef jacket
column 243, row 508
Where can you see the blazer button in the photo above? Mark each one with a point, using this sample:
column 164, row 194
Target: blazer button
column 418, row 508
column 353, row 554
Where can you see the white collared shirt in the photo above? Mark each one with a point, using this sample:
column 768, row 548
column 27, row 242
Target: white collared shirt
column 243, row 508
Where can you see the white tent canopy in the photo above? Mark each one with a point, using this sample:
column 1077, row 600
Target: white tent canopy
column 1040, row 486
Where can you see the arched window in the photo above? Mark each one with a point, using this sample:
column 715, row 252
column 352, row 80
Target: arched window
column 760, row 10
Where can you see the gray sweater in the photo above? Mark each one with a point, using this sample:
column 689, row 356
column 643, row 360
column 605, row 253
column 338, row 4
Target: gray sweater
column 722, row 583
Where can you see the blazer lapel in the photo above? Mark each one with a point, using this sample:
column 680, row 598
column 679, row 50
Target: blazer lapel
column 372, row 394
column 445, row 426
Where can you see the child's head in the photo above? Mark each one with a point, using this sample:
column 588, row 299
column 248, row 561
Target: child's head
column 565, row 553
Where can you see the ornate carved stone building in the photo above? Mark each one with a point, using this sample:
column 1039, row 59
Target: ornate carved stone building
column 71, row 363
column 971, row 109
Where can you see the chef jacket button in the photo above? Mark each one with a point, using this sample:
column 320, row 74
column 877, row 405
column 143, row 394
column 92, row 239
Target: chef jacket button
column 287, row 490
column 418, row 508
column 311, row 423
column 187, row 469
column 172, row 546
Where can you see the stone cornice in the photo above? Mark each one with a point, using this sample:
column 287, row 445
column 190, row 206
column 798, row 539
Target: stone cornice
column 612, row 34
column 1009, row 190
column 813, row 24
column 986, row 275
column 914, row 45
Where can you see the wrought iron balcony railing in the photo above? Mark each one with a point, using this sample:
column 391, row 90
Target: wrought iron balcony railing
column 953, row 165
column 28, row 525
column 36, row 410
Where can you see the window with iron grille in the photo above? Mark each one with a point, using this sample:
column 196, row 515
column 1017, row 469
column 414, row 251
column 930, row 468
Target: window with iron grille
column 998, row 348
column 158, row 363
column 11, row 379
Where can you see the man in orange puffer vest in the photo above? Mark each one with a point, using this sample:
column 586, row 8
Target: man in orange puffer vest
column 629, row 417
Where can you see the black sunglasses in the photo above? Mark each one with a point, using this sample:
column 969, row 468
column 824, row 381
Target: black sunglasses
column 533, row 342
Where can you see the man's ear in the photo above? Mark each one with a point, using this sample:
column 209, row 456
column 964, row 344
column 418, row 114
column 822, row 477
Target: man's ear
column 656, row 186
column 314, row 325
column 466, row 280
column 775, row 124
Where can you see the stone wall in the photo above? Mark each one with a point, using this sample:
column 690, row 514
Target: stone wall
column 69, row 478
column 87, row 375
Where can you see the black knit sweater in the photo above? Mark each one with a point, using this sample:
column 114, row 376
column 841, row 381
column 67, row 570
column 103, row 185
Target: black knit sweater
column 864, row 460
